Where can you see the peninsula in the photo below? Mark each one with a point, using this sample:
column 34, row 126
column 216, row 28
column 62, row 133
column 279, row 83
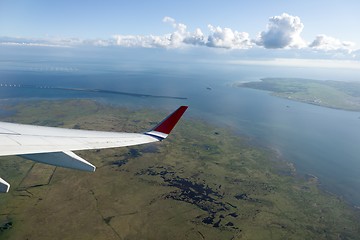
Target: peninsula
column 332, row 94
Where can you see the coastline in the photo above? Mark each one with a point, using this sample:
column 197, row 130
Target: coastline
column 218, row 177
column 330, row 94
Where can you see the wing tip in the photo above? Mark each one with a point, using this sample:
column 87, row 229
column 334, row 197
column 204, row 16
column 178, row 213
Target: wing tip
column 167, row 125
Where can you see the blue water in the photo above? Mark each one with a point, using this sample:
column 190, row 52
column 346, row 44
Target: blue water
column 320, row 141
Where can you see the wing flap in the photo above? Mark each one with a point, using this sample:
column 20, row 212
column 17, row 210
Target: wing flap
column 65, row 159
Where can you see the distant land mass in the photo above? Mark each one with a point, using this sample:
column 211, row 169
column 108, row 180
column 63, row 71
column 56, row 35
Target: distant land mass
column 332, row 94
column 203, row 182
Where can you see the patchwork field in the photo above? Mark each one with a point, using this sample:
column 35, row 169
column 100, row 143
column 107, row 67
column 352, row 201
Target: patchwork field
column 203, row 182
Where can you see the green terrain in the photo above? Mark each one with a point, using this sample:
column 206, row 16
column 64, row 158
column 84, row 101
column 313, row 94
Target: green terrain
column 333, row 94
column 203, row 182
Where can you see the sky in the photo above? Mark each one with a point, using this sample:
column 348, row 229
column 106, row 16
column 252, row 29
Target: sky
column 322, row 29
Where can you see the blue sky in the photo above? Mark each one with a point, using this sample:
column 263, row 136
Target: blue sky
column 325, row 29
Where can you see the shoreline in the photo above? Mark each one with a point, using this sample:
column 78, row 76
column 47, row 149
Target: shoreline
column 250, row 141
column 214, row 178
column 309, row 102
column 297, row 89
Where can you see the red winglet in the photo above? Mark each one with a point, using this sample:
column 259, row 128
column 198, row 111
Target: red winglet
column 169, row 123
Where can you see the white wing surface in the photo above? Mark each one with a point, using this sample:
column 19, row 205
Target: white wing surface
column 55, row 145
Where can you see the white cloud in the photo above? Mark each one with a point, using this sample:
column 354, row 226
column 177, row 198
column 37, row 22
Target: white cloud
column 167, row 19
column 32, row 44
column 195, row 38
column 326, row 43
column 181, row 37
column 142, row 41
column 227, row 38
column 282, row 31
column 177, row 39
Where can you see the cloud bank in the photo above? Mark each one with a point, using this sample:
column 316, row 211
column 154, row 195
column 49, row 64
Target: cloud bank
column 182, row 37
column 281, row 32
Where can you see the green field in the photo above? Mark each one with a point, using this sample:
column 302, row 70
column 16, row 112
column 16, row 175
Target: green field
column 203, row 182
column 333, row 94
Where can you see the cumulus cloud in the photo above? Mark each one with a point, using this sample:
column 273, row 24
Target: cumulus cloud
column 142, row 41
column 282, row 31
column 227, row 38
column 182, row 37
column 195, row 38
column 326, row 43
column 179, row 38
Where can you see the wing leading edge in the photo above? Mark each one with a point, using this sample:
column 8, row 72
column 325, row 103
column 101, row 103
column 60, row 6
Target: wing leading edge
column 54, row 146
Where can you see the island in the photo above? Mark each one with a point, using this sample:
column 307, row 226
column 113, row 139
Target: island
column 202, row 182
column 333, row 94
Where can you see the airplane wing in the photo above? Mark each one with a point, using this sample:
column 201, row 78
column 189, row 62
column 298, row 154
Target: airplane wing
column 54, row 146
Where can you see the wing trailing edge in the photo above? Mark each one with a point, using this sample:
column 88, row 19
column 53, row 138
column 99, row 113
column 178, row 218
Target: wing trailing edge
column 54, row 146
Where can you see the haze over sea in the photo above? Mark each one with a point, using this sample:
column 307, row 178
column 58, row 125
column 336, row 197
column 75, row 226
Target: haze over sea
column 319, row 141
